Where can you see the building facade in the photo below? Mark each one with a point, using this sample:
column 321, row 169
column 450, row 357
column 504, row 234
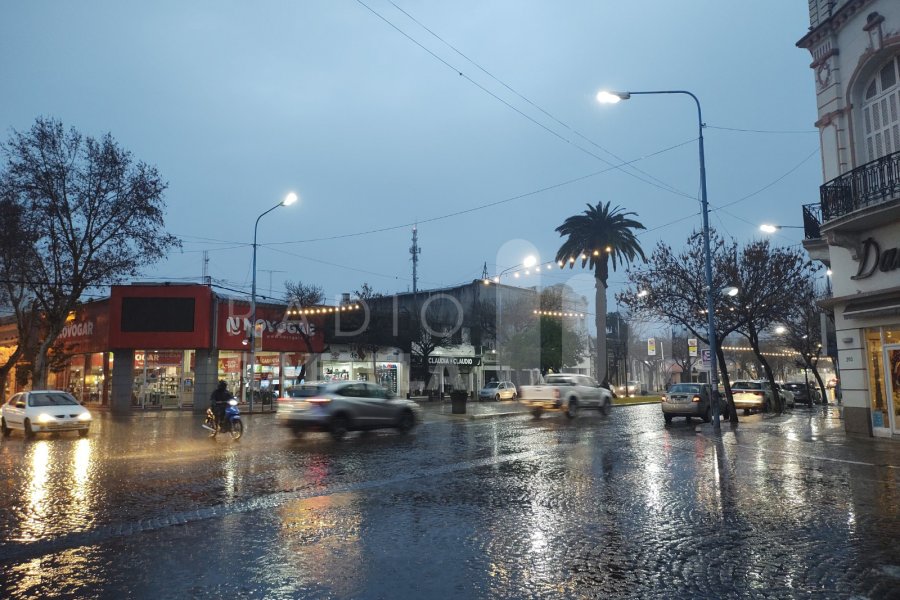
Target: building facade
column 855, row 227
column 167, row 345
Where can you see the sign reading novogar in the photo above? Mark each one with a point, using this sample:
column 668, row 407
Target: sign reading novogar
column 280, row 332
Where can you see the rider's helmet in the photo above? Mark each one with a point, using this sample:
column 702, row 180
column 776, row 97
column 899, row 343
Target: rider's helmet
column 222, row 384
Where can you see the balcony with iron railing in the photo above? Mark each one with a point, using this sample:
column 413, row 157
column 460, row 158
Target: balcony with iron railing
column 874, row 185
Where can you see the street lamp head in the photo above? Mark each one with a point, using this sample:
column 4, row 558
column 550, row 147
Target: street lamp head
column 289, row 199
column 780, row 329
column 767, row 228
column 607, row 97
column 529, row 261
column 642, row 293
column 732, row 291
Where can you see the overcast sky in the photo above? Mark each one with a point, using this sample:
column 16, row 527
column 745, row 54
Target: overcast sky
column 476, row 119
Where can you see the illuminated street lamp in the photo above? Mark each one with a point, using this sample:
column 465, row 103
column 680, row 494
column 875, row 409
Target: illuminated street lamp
column 769, row 228
column 288, row 200
column 607, row 97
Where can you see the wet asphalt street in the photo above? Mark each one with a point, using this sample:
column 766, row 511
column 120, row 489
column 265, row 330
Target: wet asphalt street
column 495, row 507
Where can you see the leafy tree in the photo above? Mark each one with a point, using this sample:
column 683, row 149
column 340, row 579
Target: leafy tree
column 96, row 218
column 599, row 238
column 560, row 343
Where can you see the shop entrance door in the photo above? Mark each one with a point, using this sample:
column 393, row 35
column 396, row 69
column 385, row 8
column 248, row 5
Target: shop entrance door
column 892, row 361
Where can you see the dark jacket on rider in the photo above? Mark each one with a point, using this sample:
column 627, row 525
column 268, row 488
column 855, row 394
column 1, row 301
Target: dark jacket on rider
column 219, row 399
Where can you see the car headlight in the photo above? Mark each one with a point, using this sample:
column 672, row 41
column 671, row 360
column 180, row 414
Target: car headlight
column 85, row 416
column 44, row 418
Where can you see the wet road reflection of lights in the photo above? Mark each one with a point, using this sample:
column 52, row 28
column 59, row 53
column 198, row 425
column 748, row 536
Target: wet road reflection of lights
column 33, row 524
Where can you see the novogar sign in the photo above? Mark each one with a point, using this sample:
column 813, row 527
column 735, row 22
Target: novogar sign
column 280, row 333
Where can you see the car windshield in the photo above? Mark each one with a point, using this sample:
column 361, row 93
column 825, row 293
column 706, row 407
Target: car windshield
column 305, row 391
column 492, row 384
column 558, row 380
column 52, row 400
column 685, row 388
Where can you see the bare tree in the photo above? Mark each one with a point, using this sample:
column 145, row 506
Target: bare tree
column 673, row 288
column 766, row 277
column 100, row 214
column 803, row 325
column 303, row 294
column 15, row 260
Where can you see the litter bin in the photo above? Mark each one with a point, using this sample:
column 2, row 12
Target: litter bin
column 458, row 400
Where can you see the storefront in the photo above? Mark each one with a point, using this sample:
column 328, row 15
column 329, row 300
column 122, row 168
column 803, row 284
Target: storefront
column 866, row 304
column 165, row 346
column 388, row 367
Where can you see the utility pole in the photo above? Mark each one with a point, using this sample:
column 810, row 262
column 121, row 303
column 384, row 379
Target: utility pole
column 270, row 271
column 415, row 251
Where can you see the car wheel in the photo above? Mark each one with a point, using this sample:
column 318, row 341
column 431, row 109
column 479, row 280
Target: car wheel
column 497, row 398
column 514, row 396
column 572, row 409
column 668, row 418
column 536, row 413
column 746, row 411
column 688, row 420
column 406, row 421
column 339, row 427
column 606, row 407
column 83, row 432
column 29, row 432
column 6, row 430
column 707, row 416
column 299, row 432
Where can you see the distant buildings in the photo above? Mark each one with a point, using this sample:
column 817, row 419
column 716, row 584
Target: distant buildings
column 855, row 226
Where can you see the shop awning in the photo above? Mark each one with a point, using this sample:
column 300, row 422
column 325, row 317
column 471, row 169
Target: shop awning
column 868, row 304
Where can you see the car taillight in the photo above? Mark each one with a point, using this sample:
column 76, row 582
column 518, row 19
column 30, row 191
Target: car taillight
column 696, row 398
column 319, row 400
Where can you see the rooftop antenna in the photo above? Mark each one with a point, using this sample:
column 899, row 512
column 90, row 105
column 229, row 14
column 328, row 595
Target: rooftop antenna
column 415, row 251
column 484, row 274
column 206, row 278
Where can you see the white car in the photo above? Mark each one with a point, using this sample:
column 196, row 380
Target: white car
column 43, row 411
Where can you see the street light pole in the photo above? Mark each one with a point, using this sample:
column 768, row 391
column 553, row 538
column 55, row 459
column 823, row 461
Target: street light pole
column 613, row 97
column 288, row 200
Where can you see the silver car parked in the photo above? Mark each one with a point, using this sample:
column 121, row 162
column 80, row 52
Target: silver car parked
column 339, row 407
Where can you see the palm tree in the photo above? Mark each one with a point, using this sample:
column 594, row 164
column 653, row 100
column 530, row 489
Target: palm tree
column 595, row 237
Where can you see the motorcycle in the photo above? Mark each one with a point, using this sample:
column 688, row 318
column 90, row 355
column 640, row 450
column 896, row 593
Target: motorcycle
column 231, row 422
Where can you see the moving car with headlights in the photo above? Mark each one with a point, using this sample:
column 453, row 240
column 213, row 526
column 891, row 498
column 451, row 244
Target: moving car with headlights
column 690, row 400
column 631, row 388
column 342, row 406
column 566, row 392
column 43, row 411
column 498, row 390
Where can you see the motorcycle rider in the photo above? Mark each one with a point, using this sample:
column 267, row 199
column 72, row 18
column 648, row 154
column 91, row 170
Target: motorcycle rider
column 219, row 400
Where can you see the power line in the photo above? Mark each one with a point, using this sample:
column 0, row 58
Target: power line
column 775, row 131
column 533, row 104
column 555, row 134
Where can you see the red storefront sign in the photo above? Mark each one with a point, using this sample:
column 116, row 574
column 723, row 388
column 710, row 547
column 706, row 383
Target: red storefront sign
column 281, row 332
column 230, row 365
column 158, row 359
column 160, row 316
column 87, row 331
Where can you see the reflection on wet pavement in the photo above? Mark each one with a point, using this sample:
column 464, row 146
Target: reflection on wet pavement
column 496, row 508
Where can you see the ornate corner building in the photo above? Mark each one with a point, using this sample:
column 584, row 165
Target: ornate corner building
column 854, row 229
